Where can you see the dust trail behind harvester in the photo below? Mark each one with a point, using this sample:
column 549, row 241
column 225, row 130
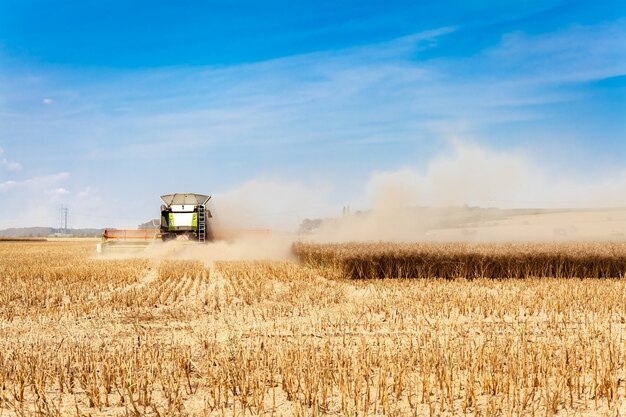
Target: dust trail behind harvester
column 472, row 193
column 473, row 224
column 244, row 248
column 453, row 199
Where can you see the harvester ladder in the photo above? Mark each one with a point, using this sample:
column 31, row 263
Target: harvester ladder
column 201, row 224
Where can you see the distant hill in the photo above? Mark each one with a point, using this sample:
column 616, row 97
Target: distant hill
column 48, row 231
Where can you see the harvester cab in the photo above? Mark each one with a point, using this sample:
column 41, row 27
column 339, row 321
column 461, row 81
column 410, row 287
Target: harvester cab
column 185, row 217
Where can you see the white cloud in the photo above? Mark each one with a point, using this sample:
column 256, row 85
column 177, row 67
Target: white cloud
column 12, row 166
column 58, row 191
column 47, row 101
column 36, row 202
column 87, row 192
column 33, row 201
column 41, row 183
column 379, row 93
column 9, row 165
column 575, row 54
column 374, row 93
column 7, row 185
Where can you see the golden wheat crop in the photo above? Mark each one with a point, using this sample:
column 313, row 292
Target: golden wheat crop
column 87, row 336
column 465, row 260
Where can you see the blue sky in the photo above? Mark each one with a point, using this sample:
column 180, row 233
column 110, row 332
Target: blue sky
column 293, row 109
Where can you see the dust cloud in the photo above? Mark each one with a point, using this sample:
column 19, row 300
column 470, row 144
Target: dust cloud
column 477, row 194
column 255, row 221
column 275, row 248
column 247, row 223
column 470, row 193
column 268, row 204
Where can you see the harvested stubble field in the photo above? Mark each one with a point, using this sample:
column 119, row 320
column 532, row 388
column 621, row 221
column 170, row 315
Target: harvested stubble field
column 85, row 336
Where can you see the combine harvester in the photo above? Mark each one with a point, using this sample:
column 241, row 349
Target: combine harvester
column 184, row 217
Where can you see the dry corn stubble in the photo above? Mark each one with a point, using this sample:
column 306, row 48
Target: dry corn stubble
column 105, row 337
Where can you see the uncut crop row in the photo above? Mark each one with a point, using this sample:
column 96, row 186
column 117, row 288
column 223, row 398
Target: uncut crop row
column 461, row 260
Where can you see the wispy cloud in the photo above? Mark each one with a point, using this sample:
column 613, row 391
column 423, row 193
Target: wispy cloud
column 371, row 93
column 9, row 165
column 575, row 54
column 58, row 191
column 382, row 92
column 41, row 183
column 386, row 103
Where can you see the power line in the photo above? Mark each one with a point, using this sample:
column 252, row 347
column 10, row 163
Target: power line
column 63, row 214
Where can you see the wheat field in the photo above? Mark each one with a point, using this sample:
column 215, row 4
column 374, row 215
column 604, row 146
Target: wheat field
column 467, row 260
column 103, row 337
